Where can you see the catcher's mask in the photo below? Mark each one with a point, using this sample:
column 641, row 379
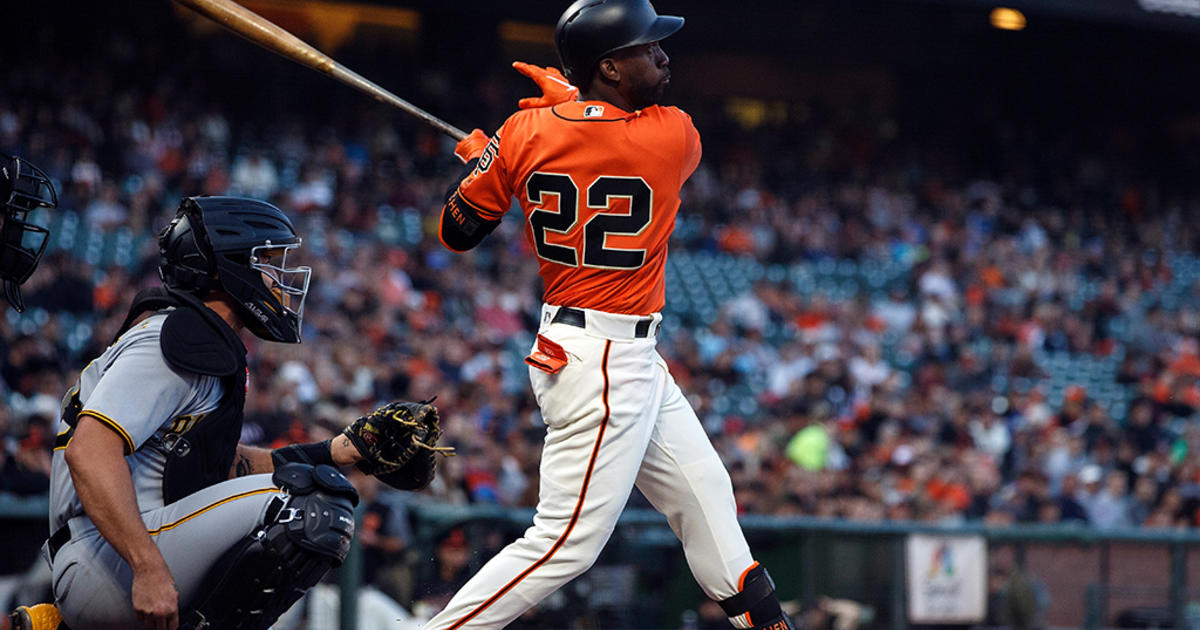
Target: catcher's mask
column 23, row 189
column 238, row 246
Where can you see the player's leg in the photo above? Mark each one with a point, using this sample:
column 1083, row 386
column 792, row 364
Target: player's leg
column 92, row 582
column 194, row 534
column 683, row 477
column 297, row 541
column 598, row 428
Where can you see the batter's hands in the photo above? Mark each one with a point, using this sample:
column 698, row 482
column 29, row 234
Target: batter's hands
column 555, row 87
column 155, row 599
column 471, row 146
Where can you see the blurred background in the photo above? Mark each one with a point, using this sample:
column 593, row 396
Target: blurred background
column 937, row 278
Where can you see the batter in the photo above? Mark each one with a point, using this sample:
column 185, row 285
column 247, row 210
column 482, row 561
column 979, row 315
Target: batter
column 598, row 182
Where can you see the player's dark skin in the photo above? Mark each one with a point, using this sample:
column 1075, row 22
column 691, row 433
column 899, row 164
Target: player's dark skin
column 631, row 78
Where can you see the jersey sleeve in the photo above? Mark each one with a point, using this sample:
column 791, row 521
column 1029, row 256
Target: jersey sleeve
column 487, row 188
column 691, row 147
column 140, row 392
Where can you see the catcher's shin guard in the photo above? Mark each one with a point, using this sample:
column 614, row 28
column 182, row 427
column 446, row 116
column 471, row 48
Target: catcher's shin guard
column 756, row 606
column 301, row 538
column 37, row 617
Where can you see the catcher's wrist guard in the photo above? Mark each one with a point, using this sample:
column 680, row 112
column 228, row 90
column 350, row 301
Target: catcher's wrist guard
column 312, row 454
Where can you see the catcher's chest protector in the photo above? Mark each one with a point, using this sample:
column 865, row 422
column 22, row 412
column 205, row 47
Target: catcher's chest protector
column 194, row 339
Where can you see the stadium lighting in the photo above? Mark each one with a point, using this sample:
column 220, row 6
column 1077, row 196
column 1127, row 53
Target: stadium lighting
column 1008, row 19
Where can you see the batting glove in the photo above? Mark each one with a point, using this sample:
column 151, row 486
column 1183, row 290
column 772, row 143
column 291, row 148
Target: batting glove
column 555, row 87
column 471, row 146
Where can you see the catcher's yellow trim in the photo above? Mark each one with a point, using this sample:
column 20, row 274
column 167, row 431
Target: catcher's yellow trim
column 112, row 424
column 206, row 508
column 68, row 430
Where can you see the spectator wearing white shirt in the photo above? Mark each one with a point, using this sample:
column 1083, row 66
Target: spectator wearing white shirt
column 868, row 369
column 255, row 176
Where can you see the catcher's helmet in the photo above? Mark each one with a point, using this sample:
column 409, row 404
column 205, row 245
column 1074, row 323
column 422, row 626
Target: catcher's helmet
column 23, row 189
column 590, row 29
column 238, row 246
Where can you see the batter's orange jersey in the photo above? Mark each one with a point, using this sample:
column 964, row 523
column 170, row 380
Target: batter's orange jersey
column 599, row 188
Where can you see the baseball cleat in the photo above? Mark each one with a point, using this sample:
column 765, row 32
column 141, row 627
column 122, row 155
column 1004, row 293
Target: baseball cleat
column 36, row 617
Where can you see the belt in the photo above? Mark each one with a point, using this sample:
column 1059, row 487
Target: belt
column 575, row 317
column 60, row 537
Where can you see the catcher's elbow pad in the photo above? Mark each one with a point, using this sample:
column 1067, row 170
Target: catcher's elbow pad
column 301, row 537
column 756, row 605
column 463, row 226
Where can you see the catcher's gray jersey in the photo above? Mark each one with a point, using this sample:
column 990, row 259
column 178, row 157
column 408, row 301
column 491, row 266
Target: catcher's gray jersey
column 133, row 390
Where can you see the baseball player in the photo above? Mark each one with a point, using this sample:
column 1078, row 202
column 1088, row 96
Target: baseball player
column 598, row 182
column 23, row 189
column 159, row 518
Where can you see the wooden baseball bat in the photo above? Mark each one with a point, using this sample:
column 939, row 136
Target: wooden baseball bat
column 269, row 35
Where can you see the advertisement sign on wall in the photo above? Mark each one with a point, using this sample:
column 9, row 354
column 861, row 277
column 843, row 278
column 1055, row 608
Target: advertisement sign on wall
column 947, row 579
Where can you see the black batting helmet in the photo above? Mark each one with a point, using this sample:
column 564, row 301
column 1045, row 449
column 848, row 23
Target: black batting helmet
column 590, row 29
column 238, row 246
column 23, row 189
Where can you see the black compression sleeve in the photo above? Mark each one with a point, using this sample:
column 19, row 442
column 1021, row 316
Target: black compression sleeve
column 313, row 454
column 462, row 226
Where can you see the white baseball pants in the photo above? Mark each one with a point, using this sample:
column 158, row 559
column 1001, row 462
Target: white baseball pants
column 615, row 418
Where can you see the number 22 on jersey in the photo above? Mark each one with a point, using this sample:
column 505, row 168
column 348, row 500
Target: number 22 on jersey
column 587, row 245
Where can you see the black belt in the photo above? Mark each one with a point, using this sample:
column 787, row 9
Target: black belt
column 575, row 317
column 60, row 537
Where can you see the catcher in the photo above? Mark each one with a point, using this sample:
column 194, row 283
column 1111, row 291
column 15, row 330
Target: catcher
column 159, row 518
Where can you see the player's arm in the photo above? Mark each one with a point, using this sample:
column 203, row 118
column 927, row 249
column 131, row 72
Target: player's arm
column 691, row 147
column 252, row 460
column 463, row 225
column 113, row 423
column 95, row 458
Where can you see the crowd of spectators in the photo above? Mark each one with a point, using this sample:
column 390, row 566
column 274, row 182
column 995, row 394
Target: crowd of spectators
column 938, row 396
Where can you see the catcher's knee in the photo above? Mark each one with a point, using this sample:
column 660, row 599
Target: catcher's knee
column 301, row 537
column 756, row 605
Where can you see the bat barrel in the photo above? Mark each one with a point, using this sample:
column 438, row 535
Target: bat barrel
column 269, row 35
column 361, row 83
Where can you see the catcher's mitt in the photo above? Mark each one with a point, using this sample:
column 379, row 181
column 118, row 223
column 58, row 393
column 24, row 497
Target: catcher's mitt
column 389, row 437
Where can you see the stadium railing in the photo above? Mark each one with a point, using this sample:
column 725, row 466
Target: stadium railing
column 1080, row 576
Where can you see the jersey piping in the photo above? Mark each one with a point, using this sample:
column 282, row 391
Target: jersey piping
column 587, row 477
column 112, row 424
column 172, row 525
column 624, row 118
